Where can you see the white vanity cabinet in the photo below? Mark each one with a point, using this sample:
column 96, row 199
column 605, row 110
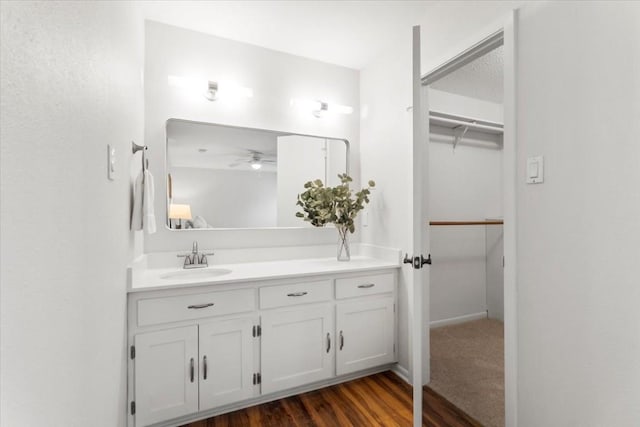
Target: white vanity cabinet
column 201, row 350
column 165, row 382
column 365, row 334
column 297, row 347
column 365, row 322
column 184, row 370
column 226, row 361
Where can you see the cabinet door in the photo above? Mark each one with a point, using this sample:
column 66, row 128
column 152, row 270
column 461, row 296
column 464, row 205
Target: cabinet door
column 226, row 362
column 166, row 383
column 297, row 347
column 365, row 334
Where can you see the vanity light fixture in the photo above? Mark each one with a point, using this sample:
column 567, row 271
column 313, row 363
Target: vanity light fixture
column 212, row 90
column 320, row 108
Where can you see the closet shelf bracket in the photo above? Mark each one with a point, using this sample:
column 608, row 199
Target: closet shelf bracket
column 459, row 133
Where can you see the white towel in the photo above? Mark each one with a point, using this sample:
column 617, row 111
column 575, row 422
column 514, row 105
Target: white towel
column 143, row 216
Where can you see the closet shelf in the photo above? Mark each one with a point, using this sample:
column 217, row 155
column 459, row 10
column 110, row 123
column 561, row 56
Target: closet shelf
column 486, row 222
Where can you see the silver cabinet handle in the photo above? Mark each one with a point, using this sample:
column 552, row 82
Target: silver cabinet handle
column 199, row 306
column 328, row 342
column 192, row 370
column 297, row 294
column 367, row 285
column 204, row 367
column 341, row 340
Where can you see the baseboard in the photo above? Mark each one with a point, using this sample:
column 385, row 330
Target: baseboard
column 402, row 372
column 459, row 319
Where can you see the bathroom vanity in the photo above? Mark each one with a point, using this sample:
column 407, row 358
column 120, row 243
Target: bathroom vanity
column 207, row 341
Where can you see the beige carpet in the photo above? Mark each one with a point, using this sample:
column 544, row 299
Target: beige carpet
column 467, row 368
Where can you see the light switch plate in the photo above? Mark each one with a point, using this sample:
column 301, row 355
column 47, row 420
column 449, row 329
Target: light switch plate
column 111, row 162
column 535, row 170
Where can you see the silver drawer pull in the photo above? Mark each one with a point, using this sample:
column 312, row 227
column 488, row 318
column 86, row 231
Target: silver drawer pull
column 199, row 306
column 297, row 294
column 367, row 285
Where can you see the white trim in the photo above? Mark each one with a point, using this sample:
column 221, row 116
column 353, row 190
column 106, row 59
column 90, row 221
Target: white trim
column 510, row 179
column 458, row 319
column 416, row 304
column 402, row 372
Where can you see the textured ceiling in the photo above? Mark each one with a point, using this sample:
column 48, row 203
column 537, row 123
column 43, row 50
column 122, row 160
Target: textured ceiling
column 481, row 79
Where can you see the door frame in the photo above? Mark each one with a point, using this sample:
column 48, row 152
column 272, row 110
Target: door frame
column 503, row 33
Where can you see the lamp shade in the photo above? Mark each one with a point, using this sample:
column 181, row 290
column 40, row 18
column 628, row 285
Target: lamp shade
column 179, row 211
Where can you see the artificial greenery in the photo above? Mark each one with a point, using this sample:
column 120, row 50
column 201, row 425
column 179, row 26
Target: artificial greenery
column 333, row 205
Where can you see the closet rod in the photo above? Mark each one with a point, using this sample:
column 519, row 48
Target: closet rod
column 488, row 222
column 492, row 128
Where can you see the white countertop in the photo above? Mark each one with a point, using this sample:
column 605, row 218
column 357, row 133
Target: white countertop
column 149, row 279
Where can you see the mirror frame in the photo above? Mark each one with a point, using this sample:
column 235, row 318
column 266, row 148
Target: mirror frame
column 280, row 133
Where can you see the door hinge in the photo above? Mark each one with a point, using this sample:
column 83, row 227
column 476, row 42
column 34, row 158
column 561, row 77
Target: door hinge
column 133, row 352
column 133, row 407
column 394, row 348
column 257, row 330
column 394, row 307
column 257, row 378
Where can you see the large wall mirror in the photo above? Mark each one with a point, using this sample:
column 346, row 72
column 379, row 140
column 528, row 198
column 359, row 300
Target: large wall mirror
column 231, row 177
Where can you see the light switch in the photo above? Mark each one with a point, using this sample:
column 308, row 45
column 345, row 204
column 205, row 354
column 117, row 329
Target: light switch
column 111, row 162
column 535, row 170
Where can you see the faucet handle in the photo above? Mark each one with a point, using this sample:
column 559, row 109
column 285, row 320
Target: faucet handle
column 187, row 258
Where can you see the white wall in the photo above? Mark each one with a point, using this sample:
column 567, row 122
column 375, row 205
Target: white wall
column 464, row 184
column 275, row 78
column 385, row 133
column 70, row 83
column 579, row 232
column 227, row 198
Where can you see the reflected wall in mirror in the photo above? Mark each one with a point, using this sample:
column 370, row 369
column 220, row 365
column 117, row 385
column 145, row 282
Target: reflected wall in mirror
column 232, row 177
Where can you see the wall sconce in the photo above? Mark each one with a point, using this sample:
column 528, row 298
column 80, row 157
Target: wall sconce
column 320, row 108
column 212, row 90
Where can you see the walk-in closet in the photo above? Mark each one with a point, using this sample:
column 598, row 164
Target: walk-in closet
column 465, row 225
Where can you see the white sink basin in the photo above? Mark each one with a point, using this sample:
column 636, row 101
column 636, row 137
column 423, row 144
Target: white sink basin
column 202, row 273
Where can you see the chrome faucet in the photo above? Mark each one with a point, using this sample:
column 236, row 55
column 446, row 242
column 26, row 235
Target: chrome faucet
column 195, row 259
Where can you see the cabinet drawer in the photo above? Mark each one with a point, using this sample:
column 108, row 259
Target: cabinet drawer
column 364, row 285
column 298, row 293
column 186, row 307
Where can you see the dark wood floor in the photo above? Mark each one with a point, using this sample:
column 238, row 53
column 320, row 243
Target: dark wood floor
column 378, row 400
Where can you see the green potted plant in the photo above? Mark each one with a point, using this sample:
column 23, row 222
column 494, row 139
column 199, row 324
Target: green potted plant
column 337, row 205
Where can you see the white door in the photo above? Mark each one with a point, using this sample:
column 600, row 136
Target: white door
column 226, row 362
column 364, row 334
column 166, row 374
column 420, row 237
column 297, row 347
